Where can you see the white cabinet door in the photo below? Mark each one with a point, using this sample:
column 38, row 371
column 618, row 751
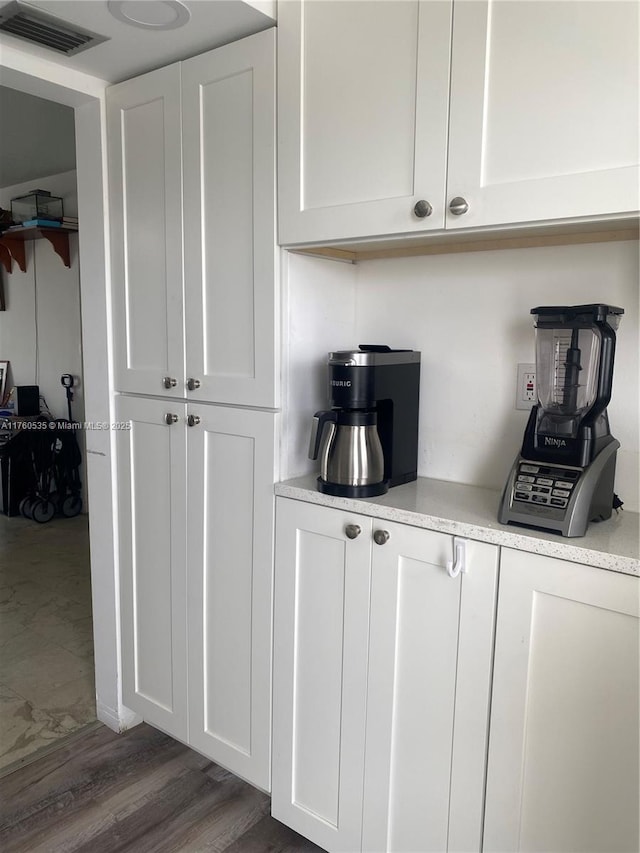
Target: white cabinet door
column 544, row 110
column 320, row 673
column 362, row 117
column 230, row 506
column 228, row 127
column 563, row 748
column 145, row 208
column 430, row 649
column 151, row 488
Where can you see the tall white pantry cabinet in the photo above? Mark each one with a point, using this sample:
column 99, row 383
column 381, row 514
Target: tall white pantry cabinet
column 192, row 201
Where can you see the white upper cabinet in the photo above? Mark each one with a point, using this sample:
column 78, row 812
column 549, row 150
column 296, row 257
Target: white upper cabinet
column 192, row 190
column 361, row 87
column 520, row 111
column 544, row 117
column 145, row 183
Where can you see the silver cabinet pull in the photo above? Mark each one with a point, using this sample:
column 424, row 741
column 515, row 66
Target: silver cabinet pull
column 193, row 420
column 169, row 382
column 192, row 384
column 380, row 537
column 170, row 418
column 352, row 531
column 422, row 209
column 458, row 205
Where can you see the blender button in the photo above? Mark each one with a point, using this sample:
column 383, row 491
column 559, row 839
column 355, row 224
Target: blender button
column 545, row 490
column 525, row 487
column 562, row 485
column 522, row 496
column 558, row 493
column 544, row 482
column 558, row 502
column 529, row 469
column 524, row 479
column 540, row 499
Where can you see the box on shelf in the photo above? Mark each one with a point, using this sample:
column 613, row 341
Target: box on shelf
column 42, row 223
column 37, row 205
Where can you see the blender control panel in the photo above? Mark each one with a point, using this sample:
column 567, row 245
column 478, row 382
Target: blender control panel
column 547, row 485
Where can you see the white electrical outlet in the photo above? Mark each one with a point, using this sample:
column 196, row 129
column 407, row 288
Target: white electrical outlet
column 526, row 389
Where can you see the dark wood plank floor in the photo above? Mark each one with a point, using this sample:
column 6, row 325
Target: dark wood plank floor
column 140, row 791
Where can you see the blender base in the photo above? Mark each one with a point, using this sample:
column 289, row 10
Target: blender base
column 590, row 495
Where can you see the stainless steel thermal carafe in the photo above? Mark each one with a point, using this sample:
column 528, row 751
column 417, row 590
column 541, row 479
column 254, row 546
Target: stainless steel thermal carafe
column 350, row 450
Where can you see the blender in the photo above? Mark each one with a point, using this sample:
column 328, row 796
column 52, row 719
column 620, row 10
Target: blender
column 563, row 477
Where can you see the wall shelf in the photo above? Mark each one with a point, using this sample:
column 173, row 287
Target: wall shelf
column 12, row 244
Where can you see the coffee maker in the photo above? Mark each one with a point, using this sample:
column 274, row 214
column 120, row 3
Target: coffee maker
column 368, row 440
column 563, row 477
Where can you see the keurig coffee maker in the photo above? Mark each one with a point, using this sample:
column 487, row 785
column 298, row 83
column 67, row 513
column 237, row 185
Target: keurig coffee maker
column 563, row 477
column 368, row 440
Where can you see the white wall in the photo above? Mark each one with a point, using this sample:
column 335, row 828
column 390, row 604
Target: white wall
column 319, row 302
column 40, row 331
column 36, row 133
column 100, row 459
column 469, row 316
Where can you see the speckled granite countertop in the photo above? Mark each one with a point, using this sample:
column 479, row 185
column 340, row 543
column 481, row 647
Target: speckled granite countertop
column 471, row 512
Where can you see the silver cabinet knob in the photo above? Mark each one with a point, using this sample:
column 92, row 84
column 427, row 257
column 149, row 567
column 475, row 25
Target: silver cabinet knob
column 192, row 384
column 422, row 209
column 352, row 531
column 193, row 420
column 169, row 382
column 170, row 418
column 380, row 537
column 458, row 205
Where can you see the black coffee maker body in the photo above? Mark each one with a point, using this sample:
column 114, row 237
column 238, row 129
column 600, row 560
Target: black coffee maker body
column 368, row 440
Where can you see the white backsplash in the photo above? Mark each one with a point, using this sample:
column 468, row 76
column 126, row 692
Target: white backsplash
column 319, row 299
column 469, row 316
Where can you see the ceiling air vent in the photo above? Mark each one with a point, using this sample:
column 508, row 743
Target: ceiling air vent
column 31, row 24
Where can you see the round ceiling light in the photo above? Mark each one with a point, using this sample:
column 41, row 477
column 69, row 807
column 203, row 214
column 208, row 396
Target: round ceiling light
column 150, row 14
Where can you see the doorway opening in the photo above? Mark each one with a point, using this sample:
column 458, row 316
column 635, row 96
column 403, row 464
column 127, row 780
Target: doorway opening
column 47, row 671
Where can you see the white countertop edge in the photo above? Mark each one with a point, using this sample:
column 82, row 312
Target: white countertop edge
column 587, row 550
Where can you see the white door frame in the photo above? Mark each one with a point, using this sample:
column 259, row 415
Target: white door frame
column 34, row 75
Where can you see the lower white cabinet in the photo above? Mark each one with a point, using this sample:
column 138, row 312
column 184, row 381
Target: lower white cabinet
column 565, row 718
column 381, row 683
column 195, row 503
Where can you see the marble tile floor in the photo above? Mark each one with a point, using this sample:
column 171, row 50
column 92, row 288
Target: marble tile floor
column 46, row 634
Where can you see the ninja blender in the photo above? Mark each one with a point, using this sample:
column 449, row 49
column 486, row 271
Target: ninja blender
column 563, row 477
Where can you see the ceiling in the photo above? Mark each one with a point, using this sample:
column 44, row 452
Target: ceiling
column 132, row 50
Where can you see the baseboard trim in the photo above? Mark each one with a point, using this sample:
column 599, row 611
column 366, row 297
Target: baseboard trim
column 117, row 722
